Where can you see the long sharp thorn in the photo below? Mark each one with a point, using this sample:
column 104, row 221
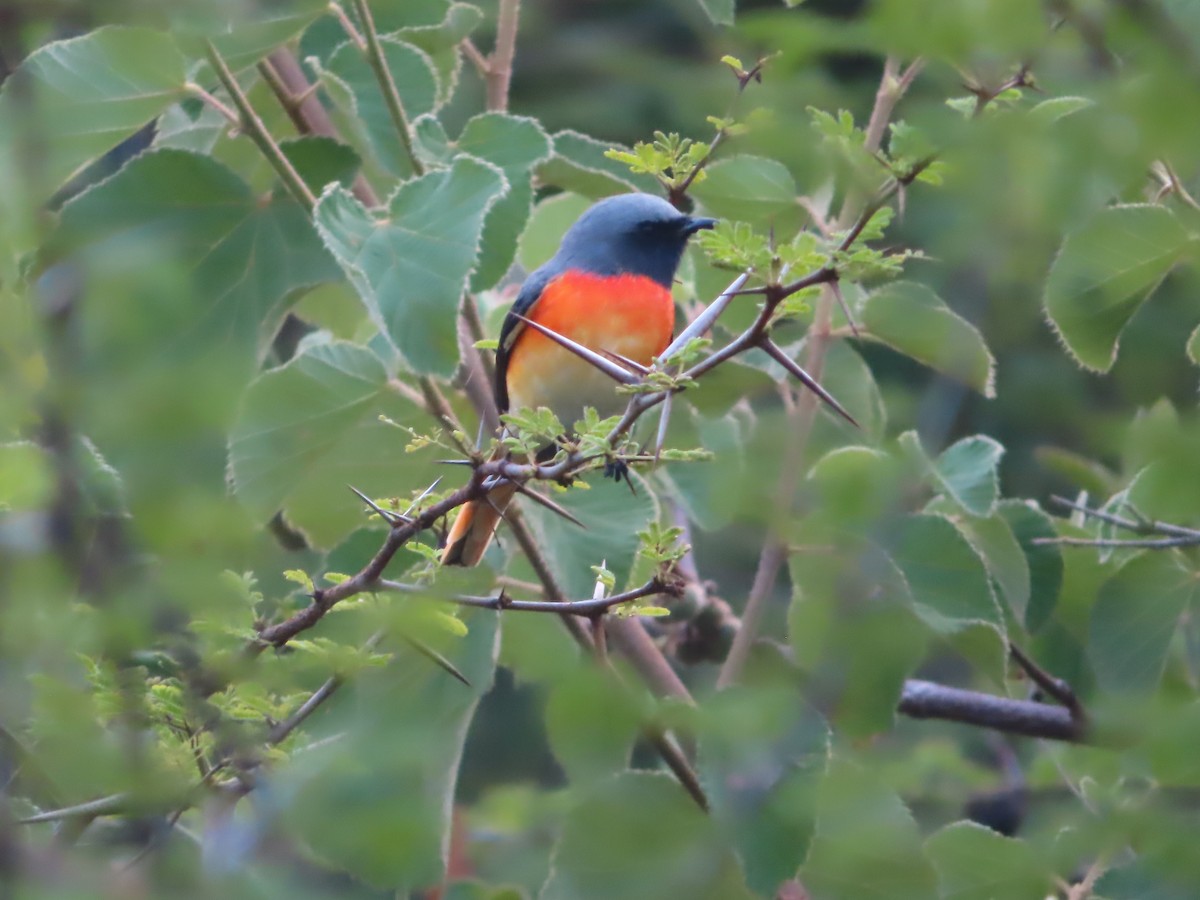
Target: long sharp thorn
column 663, row 420
column 388, row 516
column 437, row 658
column 705, row 320
column 837, row 292
column 425, row 493
column 549, row 504
column 609, row 368
column 454, row 462
column 807, row 380
column 625, row 362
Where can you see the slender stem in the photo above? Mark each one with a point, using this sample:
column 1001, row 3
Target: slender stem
column 478, row 60
column 387, row 84
column 586, row 608
column 229, row 115
column 347, row 25
column 499, row 69
column 286, row 79
column 258, row 132
column 926, row 700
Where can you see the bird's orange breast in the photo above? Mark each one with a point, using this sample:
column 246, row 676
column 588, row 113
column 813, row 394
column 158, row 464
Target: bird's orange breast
column 626, row 314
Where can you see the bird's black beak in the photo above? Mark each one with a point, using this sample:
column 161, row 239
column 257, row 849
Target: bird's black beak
column 697, row 223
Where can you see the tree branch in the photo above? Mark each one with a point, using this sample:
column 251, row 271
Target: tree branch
column 926, row 700
column 498, row 74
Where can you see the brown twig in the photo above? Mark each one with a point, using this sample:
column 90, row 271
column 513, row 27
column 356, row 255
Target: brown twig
column 1055, row 687
column 926, row 700
column 586, row 608
column 498, row 74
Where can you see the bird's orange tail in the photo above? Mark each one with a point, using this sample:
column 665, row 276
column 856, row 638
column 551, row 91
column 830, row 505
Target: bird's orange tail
column 474, row 526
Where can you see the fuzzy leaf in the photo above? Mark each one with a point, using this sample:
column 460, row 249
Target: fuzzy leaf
column 1105, row 271
column 912, row 319
column 411, row 268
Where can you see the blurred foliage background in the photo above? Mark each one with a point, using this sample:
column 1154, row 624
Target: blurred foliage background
column 196, row 363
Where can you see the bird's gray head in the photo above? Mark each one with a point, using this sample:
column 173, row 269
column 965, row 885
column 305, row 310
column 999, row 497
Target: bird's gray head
column 639, row 234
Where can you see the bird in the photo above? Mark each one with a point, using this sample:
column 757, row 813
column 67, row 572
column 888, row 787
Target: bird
column 608, row 287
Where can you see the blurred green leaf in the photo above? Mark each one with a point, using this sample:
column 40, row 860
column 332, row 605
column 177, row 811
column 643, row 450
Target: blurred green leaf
column 995, row 542
column 250, row 256
column 912, row 319
column 309, row 428
column 1045, row 561
column 750, row 189
column 389, row 778
column 411, row 268
column 1085, row 473
column 664, row 844
column 592, row 724
column 242, row 33
column 967, row 472
column 90, row 93
column 867, row 844
column 612, row 515
column 26, row 477
column 947, row 578
column 1135, row 617
column 1105, row 271
column 1193, row 346
column 720, row 11
column 547, row 224
column 976, row 863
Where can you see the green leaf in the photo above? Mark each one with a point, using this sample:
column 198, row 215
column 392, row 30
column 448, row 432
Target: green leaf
column 966, row 471
column 976, row 863
column 948, row 580
column 1008, row 566
column 26, row 477
column 750, row 189
column 613, row 516
column 1059, row 108
column 321, row 161
column 665, row 845
column 411, row 268
column 412, row 71
column 1134, row 620
column 88, row 94
column 579, row 165
column 1082, row 471
column 1045, row 561
column 309, row 428
column 401, row 730
column 592, row 725
column 1193, row 346
column 515, row 145
column 767, row 808
column 242, row 34
column 720, row 11
column 249, row 256
column 867, row 845
column 912, row 319
column 547, row 224
column 1105, row 271
column 441, row 42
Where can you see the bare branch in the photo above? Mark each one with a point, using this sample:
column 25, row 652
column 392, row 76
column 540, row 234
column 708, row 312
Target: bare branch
column 500, row 65
column 926, row 700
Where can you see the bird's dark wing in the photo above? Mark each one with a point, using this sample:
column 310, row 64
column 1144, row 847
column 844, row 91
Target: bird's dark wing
column 530, row 293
